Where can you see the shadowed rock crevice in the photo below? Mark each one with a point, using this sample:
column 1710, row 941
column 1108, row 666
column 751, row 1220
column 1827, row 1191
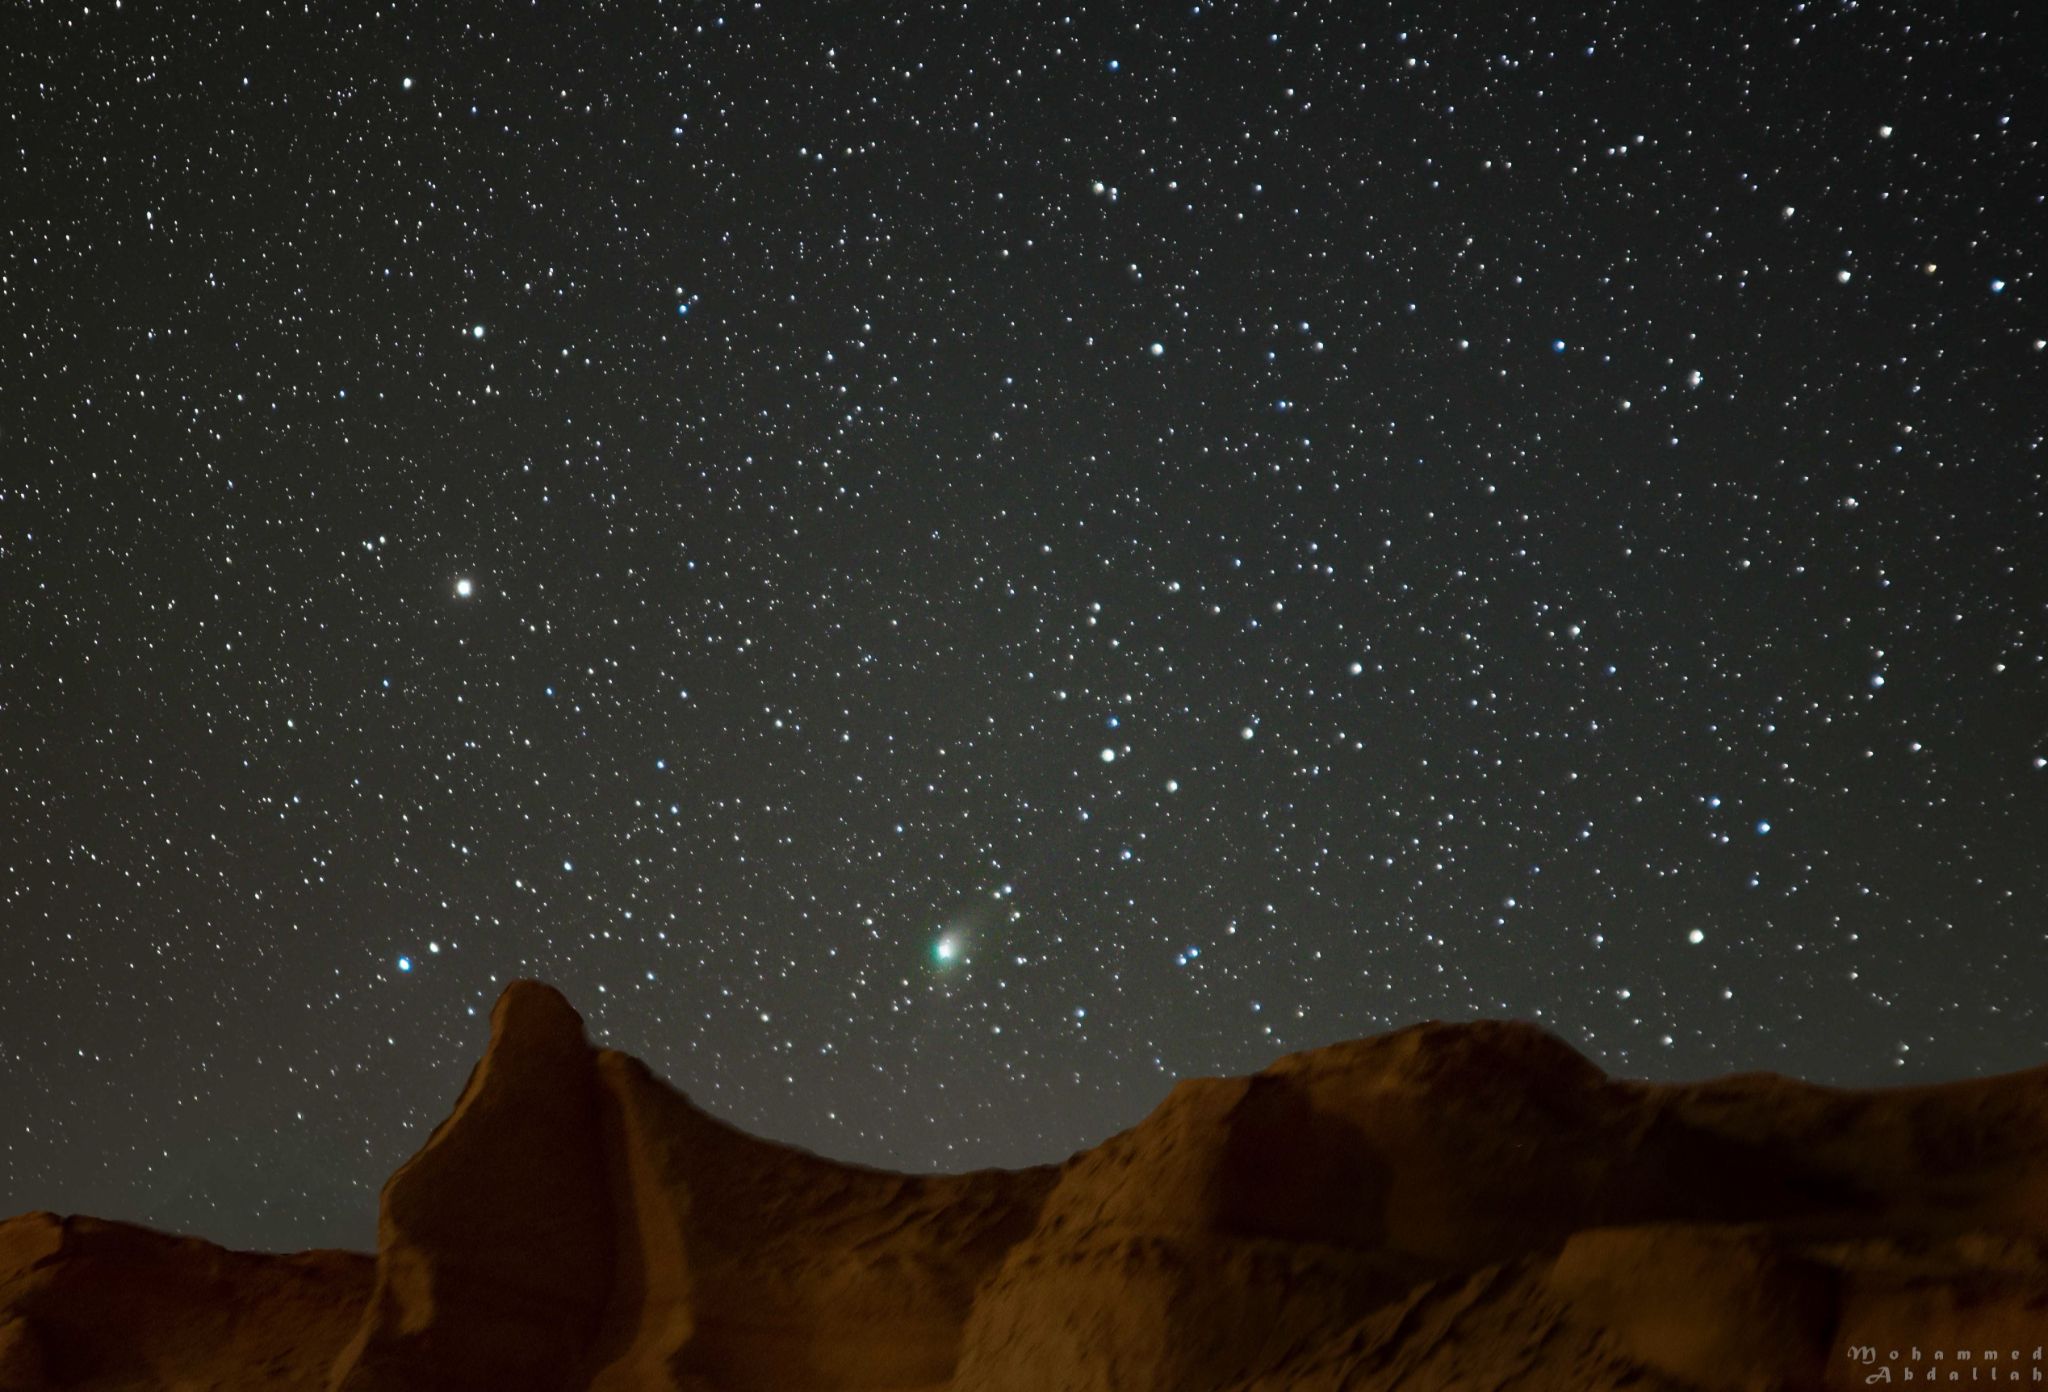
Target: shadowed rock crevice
column 1467, row 1205
column 1290, row 1171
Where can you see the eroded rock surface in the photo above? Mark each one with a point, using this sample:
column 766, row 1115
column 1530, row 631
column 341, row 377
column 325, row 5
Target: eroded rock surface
column 495, row 1244
column 86, row 1303
column 1446, row 1206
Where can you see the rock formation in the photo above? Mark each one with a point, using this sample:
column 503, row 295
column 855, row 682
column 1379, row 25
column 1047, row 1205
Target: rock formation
column 1469, row 1206
column 495, row 1244
column 106, row 1305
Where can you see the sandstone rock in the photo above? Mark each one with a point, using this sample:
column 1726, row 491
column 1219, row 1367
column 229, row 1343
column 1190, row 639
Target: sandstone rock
column 495, row 1242
column 1710, row 1307
column 23, row 1365
column 1445, row 1206
column 92, row 1304
column 747, row 1264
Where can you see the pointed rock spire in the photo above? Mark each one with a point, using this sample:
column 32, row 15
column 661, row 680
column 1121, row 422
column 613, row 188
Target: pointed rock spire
column 494, row 1242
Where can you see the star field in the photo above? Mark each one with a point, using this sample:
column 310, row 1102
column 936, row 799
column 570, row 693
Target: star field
column 940, row 569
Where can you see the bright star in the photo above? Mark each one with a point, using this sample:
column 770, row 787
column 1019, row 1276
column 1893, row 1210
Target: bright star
column 405, row 964
column 463, row 588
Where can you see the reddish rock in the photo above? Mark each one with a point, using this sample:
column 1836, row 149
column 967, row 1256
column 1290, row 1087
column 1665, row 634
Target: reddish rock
column 1446, row 1206
column 92, row 1304
column 495, row 1242
column 23, row 1364
column 747, row 1264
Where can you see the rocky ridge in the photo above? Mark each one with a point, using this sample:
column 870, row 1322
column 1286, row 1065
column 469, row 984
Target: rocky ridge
column 1471, row 1205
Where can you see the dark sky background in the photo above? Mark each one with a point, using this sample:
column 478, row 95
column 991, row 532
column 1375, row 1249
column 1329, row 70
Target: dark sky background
column 939, row 569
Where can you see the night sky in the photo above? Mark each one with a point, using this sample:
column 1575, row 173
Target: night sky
column 940, row 569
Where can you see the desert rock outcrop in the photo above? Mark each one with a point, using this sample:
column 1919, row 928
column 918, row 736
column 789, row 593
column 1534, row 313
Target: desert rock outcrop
column 1470, row 1205
column 86, row 1303
column 494, row 1243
